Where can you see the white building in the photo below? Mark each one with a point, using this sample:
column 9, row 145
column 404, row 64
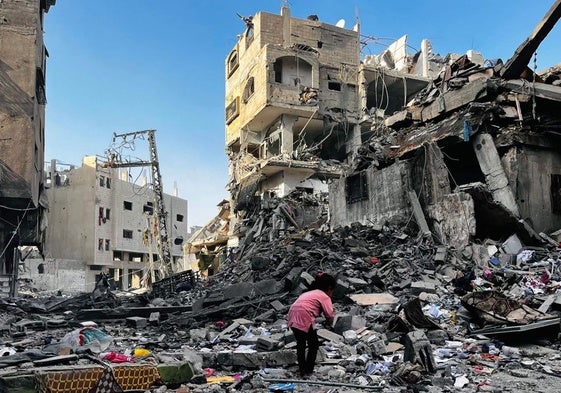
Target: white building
column 99, row 220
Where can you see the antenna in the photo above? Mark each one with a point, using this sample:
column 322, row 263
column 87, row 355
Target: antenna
column 340, row 23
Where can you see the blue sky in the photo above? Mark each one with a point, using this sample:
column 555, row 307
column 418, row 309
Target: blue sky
column 128, row 65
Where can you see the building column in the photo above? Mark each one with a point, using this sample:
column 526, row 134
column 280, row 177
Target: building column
column 495, row 176
column 287, row 136
column 354, row 140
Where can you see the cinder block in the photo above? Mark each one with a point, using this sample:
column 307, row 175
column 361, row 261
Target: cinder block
column 137, row 322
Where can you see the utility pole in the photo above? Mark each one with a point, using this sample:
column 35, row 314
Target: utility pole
column 115, row 161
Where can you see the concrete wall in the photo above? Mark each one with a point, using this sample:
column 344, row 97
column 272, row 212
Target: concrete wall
column 334, row 56
column 22, row 112
column 387, row 197
column 283, row 183
column 529, row 171
column 70, row 233
column 70, row 276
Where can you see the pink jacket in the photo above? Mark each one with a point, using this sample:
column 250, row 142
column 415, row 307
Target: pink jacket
column 307, row 308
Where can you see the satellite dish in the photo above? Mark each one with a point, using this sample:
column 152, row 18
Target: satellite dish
column 341, row 23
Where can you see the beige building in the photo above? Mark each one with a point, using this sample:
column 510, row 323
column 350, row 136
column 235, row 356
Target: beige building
column 106, row 222
column 23, row 58
column 292, row 105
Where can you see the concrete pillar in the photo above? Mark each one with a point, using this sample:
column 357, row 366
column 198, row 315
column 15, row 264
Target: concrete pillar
column 285, row 13
column 495, row 176
column 125, row 279
column 287, row 136
column 354, row 140
column 425, row 57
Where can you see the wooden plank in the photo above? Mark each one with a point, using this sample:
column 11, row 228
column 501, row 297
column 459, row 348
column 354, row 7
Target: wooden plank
column 523, row 54
column 370, row 299
column 454, row 99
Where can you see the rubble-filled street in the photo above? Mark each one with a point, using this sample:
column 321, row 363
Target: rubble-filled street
column 427, row 186
column 411, row 316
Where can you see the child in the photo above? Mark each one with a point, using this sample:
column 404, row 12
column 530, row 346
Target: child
column 301, row 319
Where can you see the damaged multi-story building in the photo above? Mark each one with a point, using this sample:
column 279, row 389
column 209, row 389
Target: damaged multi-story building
column 23, row 59
column 100, row 220
column 464, row 147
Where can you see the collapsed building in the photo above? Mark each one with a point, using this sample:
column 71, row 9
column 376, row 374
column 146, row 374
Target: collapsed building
column 466, row 146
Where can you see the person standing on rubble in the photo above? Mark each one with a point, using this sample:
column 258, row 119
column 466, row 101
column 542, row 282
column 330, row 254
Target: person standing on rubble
column 302, row 316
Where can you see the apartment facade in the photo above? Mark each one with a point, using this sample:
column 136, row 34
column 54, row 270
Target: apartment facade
column 23, row 58
column 100, row 217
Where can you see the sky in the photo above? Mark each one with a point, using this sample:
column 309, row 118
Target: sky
column 119, row 66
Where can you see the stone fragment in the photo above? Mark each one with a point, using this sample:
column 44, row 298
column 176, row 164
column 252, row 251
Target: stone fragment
column 137, row 322
column 422, row 286
column 418, row 350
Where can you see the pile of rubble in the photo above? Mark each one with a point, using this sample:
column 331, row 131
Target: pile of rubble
column 410, row 315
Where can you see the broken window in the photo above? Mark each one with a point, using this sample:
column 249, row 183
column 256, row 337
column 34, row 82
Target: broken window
column 107, row 214
column 117, row 256
column 40, row 87
column 248, row 90
column 179, row 217
column 127, row 234
column 102, row 181
column 232, row 110
column 334, row 86
column 293, row 71
column 100, row 244
column 148, row 208
column 356, row 188
column 233, row 62
column 127, row 205
column 108, row 182
column 107, row 244
column 41, row 268
column 556, row 194
column 96, row 267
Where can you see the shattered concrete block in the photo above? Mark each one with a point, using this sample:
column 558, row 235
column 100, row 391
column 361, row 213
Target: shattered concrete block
column 137, row 322
column 350, row 336
column 377, row 344
column 440, row 255
column 267, row 343
column 418, row 350
column 342, row 289
column 343, row 323
column 288, row 337
column 250, row 340
column 22, row 383
column 422, row 286
column 291, row 279
column 437, row 337
column 277, row 305
column 330, row 336
column 357, row 282
column 306, row 278
column 243, row 322
column 154, row 318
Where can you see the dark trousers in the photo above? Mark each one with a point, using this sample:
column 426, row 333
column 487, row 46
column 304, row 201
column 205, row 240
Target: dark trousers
column 309, row 339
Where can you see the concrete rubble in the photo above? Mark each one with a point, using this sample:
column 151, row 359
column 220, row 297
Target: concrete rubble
column 456, row 287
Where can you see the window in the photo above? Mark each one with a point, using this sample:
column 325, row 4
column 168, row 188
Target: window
column 108, row 182
column 107, row 244
column 40, row 87
column 117, row 256
column 232, row 110
column 334, row 86
column 248, row 90
column 100, row 244
column 556, row 194
column 127, row 234
column 96, row 267
column 179, row 217
column 107, row 214
column 233, row 62
column 127, row 205
column 148, row 208
column 356, row 188
column 102, row 181
column 100, row 212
